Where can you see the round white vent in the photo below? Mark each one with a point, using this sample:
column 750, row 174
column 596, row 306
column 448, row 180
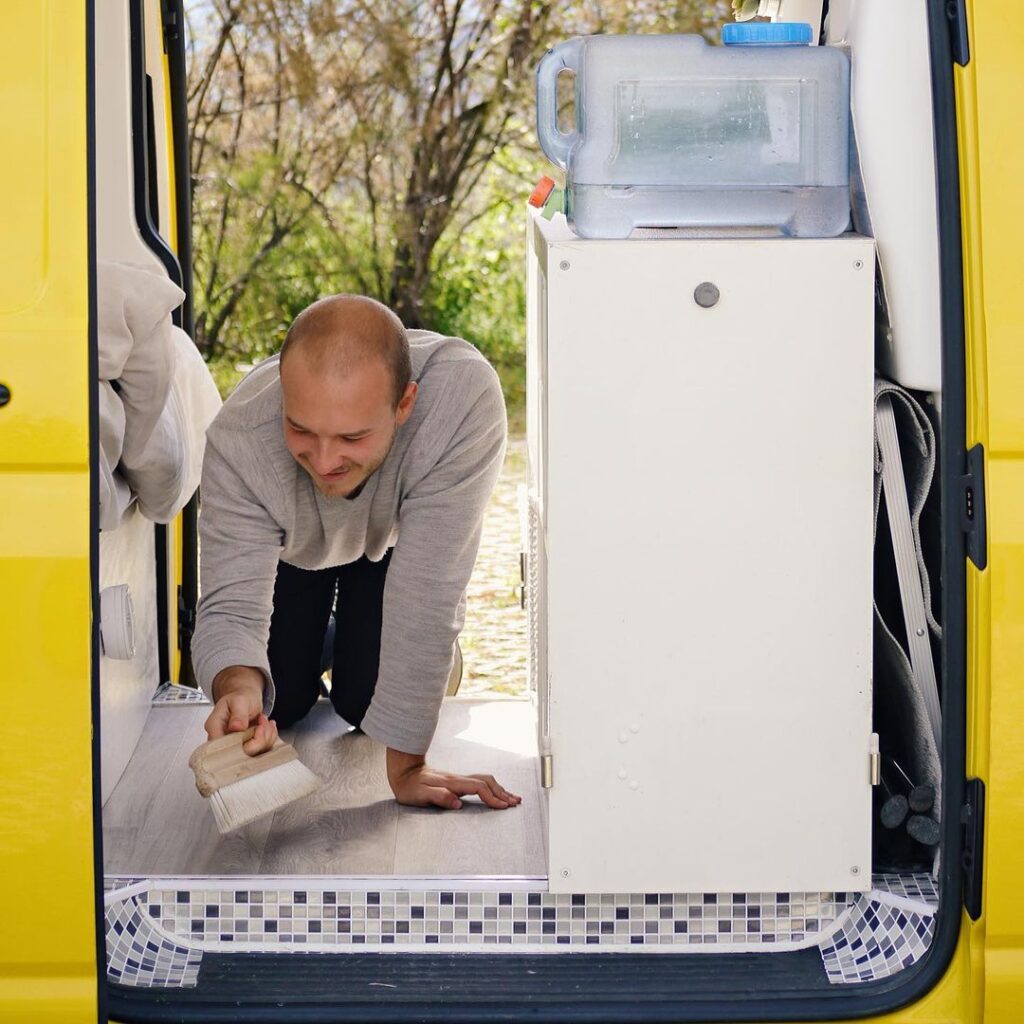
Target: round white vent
column 117, row 623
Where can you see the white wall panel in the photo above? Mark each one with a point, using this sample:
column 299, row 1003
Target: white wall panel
column 127, row 556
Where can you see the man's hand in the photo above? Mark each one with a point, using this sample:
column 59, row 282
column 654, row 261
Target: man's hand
column 238, row 692
column 416, row 785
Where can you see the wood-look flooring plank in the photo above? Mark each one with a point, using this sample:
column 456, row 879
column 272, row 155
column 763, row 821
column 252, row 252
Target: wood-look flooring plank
column 149, row 766
column 155, row 821
column 349, row 826
column 473, row 737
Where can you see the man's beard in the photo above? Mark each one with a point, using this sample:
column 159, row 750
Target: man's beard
column 368, row 471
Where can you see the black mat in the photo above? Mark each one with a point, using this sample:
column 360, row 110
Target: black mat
column 423, row 987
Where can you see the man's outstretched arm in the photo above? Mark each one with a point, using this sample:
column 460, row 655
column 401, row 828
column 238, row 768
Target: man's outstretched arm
column 424, row 601
column 239, row 547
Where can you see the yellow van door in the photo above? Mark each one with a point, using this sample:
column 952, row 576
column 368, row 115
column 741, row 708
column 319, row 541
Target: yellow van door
column 47, row 862
column 992, row 168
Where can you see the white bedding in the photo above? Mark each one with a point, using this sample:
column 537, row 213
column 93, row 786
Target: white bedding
column 153, row 420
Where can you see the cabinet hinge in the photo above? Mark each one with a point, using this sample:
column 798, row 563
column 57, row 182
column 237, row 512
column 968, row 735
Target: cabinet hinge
column 874, row 760
column 972, row 819
column 959, row 44
column 546, row 772
column 972, row 507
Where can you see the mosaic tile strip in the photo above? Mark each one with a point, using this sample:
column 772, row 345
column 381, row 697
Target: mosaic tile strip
column 157, row 929
column 139, row 953
column 246, row 914
column 884, row 931
column 172, row 693
column 920, row 887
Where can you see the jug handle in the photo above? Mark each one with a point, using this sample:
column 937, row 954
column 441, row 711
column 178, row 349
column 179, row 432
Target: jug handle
column 556, row 143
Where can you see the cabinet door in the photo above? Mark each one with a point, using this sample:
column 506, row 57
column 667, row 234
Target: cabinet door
column 709, row 577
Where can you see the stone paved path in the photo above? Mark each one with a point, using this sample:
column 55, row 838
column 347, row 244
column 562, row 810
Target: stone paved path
column 494, row 637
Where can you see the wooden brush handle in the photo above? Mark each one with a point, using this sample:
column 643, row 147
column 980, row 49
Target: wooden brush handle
column 222, row 761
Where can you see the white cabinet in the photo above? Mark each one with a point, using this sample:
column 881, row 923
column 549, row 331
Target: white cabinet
column 700, row 572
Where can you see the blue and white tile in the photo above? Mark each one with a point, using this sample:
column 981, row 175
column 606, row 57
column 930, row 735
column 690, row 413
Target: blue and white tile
column 173, row 693
column 262, row 914
column 139, row 952
column 159, row 928
column 884, row 931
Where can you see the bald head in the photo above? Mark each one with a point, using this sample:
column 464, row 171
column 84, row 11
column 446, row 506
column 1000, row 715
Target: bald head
column 341, row 333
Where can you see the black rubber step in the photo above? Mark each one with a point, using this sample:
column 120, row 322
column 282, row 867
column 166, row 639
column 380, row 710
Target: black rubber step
column 419, row 987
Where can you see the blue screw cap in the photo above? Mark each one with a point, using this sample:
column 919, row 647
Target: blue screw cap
column 779, row 33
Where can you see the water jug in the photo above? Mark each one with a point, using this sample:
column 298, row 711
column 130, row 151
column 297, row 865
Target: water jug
column 672, row 132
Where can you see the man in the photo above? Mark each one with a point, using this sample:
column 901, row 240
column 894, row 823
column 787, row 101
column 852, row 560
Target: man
column 361, row 456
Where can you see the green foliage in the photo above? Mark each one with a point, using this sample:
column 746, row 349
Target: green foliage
column 478, row 285
column 226, row 373
column 745, row 10
column 478, row 292
column 310, row 263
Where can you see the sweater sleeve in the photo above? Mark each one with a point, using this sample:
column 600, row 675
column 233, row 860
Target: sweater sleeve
column 440, row 522
column 239, row 548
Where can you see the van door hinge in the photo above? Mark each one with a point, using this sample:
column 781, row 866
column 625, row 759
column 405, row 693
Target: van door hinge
column 186, row 622
column 169, row 17
column 972, row 818
column 956, row 14
column 972, row 507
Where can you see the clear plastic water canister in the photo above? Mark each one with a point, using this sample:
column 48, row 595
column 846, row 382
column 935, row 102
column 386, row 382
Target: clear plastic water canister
column 673, row 132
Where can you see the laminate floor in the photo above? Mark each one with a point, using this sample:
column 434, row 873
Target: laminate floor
column 155, row 822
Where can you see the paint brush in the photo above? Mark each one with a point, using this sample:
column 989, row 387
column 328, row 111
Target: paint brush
column 241, row 788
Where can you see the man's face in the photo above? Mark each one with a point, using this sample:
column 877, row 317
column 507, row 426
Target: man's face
column 340, row 429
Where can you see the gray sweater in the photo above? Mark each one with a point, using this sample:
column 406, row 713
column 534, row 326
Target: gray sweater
column 427, row 500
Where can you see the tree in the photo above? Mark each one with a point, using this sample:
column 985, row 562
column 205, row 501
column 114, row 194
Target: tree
column 270, row 119
column 372, row 145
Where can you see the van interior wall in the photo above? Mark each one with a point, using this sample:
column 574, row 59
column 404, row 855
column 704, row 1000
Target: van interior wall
column 127, row 554
column 127, row 557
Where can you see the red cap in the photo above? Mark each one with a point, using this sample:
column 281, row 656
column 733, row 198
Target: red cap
column 540, row 194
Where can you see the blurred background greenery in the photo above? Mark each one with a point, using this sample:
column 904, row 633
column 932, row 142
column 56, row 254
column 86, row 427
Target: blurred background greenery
column 384, row 147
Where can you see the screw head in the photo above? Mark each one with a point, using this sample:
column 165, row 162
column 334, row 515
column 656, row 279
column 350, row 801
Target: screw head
column 565, row 872
column 858, row 264
column 855, row 870
column 564, row 265
column 706, row 295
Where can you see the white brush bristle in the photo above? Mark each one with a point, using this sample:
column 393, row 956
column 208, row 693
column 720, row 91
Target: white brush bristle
column 240, row 802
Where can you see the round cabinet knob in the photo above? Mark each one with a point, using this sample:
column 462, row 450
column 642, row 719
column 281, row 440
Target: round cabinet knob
column 117, row 623
column 5, row 394
column 706, row 295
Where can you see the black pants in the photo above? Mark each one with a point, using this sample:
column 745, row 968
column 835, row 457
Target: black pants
column 303, row 602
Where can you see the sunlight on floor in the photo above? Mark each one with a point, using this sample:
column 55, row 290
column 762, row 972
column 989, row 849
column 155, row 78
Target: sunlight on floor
column 496, row 731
